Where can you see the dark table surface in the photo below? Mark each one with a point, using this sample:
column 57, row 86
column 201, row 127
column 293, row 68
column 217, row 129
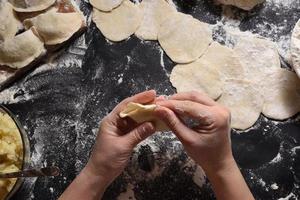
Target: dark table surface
column 60, row 105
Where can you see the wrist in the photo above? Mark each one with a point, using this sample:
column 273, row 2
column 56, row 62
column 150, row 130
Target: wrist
column 97, row 175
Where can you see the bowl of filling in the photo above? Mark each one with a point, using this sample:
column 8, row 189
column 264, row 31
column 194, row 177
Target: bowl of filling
column 14, row 152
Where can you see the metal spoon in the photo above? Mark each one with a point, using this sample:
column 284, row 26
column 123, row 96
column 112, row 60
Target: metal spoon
column 46, row 171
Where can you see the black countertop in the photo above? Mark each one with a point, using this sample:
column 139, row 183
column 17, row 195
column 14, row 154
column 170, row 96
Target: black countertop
column 61, row 104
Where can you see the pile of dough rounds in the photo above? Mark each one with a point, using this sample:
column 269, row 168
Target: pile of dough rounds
column 295, row 48
column 47, row 28
column 11, row 152
column 243, row 4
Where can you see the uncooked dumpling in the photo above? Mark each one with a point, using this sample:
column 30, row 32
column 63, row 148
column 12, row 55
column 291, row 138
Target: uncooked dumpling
column 295, row 48
column 197, row 76
column 120, row 23
column 31, row 5
column 243, row 4
column 55, row 27
column 8, row 21
column 21, row 50
column 105, row 5
column 281, row 93
column 154, row 13
column 184, row 38
column 143, row 113
column 244, row 101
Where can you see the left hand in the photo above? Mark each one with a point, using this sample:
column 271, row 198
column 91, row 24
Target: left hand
column 117, row 138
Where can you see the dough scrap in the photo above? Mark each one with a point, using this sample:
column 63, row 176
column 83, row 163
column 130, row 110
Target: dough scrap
column 120, row 23
column 105, row 5
column 197, row 76
column 143, row 113
column 244, row 101
column 295, row 48
column 9, row 24
column 281, row 93
column 154, row 13
column 31, row 5
column 21, row 50
column 184, row 38
column 243, row 4
column 55, row 27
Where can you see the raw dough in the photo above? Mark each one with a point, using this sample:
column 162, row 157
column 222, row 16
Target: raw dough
column 105, row 5
column 154, row 13
column 244, row 101
column 184, row 38
column 281, row 95
column 197, row 76
column 31, row 5
column 8, row 21
column 120, row 23
column 295, row 48
column 143, row 113
column 56, row 27
column 243, row 4
column 21, row 50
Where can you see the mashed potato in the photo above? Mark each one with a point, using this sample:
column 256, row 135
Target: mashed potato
column 11, row 152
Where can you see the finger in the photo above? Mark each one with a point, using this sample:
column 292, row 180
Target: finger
column 174, row 123
column 190, row 109
column 194, row 96
column 140, row 133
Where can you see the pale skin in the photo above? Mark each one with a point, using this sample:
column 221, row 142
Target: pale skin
column 208, row 145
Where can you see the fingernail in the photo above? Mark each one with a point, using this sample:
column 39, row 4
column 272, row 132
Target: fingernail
column 148, row 127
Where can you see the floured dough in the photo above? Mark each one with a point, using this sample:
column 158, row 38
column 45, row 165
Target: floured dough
column 281, row 95
column 154, row 13
column 120, row 23
column 197, row 76
column 55, row 27
column 8, row 21
column 259, row 57
column 184, row 38
column 244, row 101
column 31, row 5
column 143, row 113
column 224, row 60
column 243, row 4
column 105, row 5
column 295, row 48
column 21, row 50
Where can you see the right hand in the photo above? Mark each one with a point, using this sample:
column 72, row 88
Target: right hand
column 209, row 142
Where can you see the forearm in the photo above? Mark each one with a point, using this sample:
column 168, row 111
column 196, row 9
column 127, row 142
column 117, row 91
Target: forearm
column 229, row 184
column 86, row 186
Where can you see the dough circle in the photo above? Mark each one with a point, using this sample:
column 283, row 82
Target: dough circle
column 154, row 13
column 51, row 25
column 9, row 24
column 31, row 5
column 243, row 4
column 184, row 38
column 105, row 5
column 120, row 23
column 244, row 102
column 197, row 76
column 295, row 48
column 281, row 93
column 21, row 50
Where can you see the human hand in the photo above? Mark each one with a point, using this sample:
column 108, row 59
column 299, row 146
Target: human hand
column 116, row 139
column 209, row 142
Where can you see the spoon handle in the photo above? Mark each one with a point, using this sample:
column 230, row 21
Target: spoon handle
column 46, row 171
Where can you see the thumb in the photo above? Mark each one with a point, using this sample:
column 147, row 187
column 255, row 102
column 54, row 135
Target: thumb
column 140, row 133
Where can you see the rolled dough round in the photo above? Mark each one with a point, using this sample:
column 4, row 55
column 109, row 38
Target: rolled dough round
column 9, row 24
column 197, row 76
column 105, row 5
column 243, row 4
column 21, row 50
column 281, row 94
column 120, row 23
column 295, row 48
column 51, row 25
column 184, row 38
column 154, row 13
column 244, row 101
column 31, row 5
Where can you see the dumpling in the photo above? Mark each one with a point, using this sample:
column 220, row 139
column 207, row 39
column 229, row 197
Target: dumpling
column 9, row 24
column 243, row 4
column 31, row 5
